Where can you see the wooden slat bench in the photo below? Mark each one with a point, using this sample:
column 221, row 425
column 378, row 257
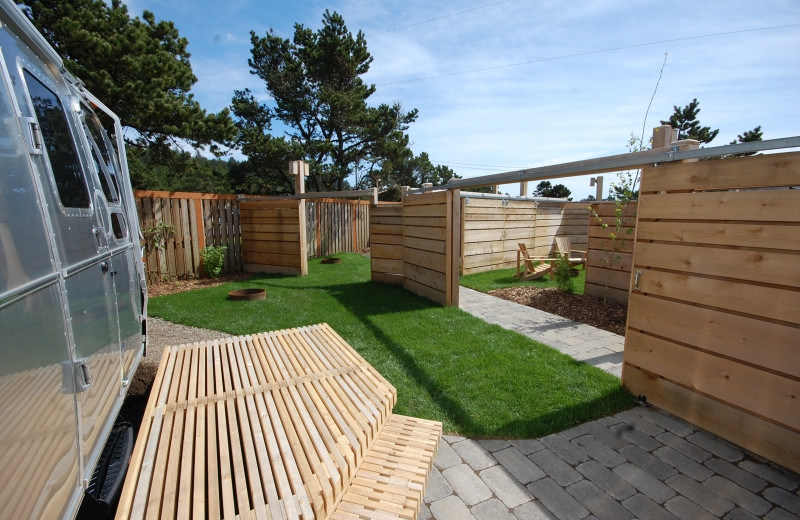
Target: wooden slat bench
column 285, row 424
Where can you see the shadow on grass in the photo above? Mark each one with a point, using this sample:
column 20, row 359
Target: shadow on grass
column 402, row 331
column 366, row 300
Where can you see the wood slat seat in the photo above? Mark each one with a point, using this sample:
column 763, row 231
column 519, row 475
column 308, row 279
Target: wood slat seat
column 284, row 424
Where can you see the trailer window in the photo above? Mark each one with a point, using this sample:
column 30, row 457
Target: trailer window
column 99, row 142
column 59, row 144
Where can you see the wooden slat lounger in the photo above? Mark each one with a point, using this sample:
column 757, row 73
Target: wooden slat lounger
column 285, row 424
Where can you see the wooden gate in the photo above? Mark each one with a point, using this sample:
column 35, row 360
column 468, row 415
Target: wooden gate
column 713, row 332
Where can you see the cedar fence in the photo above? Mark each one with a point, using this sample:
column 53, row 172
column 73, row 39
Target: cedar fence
column 714, row 314
column 337, row 226
column 274, row 236
column 608, row 267
column 416, row 243
column 199, row 220
column 492, row 228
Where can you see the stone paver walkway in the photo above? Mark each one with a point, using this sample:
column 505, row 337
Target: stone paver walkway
column 641, row 463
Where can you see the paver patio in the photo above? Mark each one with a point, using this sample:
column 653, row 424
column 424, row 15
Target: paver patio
column 641, row 463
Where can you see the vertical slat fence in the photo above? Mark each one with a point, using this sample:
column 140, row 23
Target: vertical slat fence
column 198, row 220
column 337, row 226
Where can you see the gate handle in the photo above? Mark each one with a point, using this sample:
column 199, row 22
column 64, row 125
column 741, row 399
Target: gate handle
column 636, row 280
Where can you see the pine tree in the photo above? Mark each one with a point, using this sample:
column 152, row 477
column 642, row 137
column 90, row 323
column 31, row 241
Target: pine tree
column 138, row 67
column 315, row 82
column 685, row 120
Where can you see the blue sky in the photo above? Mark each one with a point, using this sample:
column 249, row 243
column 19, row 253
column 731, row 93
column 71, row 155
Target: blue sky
column 504, row 85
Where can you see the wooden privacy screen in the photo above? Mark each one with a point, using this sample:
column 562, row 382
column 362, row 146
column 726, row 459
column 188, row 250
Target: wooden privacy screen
column 492, row 228
column 714, row 318
column 416, row 244
column 608, row 270
column 199, row 220
column 431, row 237
column 274, row 236
column 386, row 243
column 336, row 226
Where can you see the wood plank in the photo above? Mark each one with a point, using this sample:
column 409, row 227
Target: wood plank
column 615, row 279
column 424, row 291
column 434, row 246
column 376, row 239
column 424, row 222
column 611, row 293
column 754, row 341
column 389, row 278
column 432, row 233
column 761, row 393
column 748, row 431
column 771, row 170
column 754, row 300
column 427, row 211
column 750, row 265
column 433, row 279
column 432, row 261
column 753, row 206
column 143, row 194
column 387, row 251
column 756, row 236
column 429, row 198
column 274, row 246
column 387, row 265
column 618, row 262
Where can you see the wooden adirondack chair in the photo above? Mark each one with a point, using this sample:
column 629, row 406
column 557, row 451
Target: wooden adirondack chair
column 525, row 268
column 563, row 247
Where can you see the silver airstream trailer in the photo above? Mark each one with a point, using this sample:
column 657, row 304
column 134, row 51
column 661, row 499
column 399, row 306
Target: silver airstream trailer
column 72, row 286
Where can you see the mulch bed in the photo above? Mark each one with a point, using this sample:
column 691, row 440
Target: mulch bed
column 187, row 284
column 576, row 307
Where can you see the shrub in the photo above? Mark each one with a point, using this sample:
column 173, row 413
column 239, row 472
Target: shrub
column 562, row 272
column 213, row 259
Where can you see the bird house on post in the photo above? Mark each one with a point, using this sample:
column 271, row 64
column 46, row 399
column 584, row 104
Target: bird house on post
column 300, row 171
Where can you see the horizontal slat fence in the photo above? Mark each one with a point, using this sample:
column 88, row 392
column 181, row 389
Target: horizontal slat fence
column 274, row 236
column 608, row 270
column 714, row 321
column 492, row 229
column 431, row 229
column 386, row 243
column 199, row 219
column 336, row 226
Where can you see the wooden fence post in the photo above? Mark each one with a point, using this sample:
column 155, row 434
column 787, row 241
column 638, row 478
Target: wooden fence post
column 523, row 189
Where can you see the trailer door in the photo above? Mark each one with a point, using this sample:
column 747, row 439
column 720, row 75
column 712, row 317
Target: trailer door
column 39, row 460
column 81, row 220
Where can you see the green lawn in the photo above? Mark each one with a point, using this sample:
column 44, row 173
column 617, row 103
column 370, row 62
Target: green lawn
column 502, row 278
column 478, row 379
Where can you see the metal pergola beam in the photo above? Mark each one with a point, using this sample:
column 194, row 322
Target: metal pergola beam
column 621, row 162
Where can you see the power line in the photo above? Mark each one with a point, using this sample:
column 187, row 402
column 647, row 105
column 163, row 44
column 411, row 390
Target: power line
column 438, row 18
column 386, row 31
column 587, row 53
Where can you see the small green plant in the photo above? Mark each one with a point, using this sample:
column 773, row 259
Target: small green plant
column 213, row 259
column 562, row 272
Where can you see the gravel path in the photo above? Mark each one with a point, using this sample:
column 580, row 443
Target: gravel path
column 161, row 334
